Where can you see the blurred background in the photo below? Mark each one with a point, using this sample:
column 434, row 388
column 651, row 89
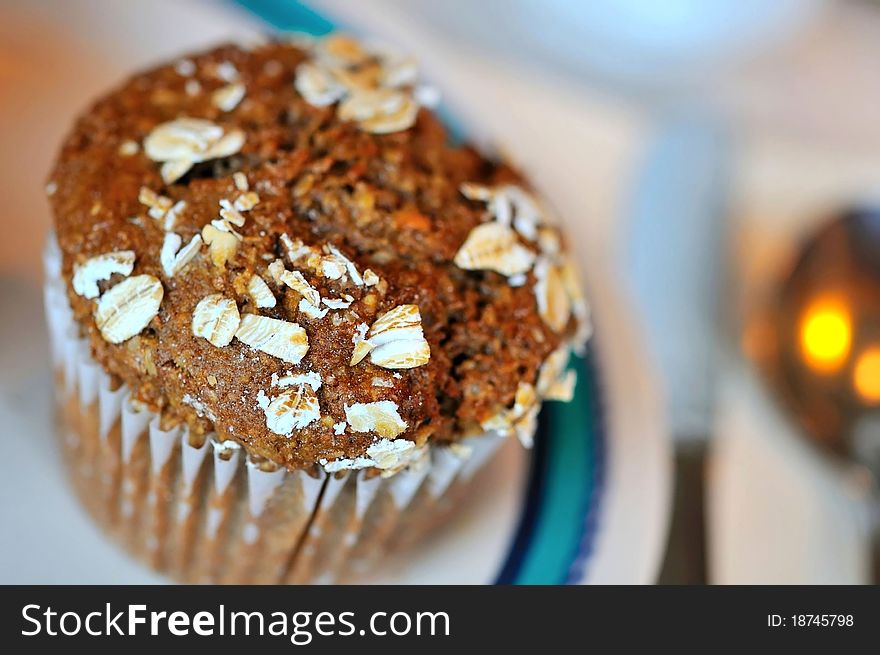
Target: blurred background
column 718, row 165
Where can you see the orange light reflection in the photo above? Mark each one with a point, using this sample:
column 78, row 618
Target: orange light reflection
column 825, row 335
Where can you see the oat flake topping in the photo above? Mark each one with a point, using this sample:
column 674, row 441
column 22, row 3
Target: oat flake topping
column 311, row 310
column 226, row 98
column 317, row 85
column 241, row 181
column 282, row 339
column 87, row 275
column 157, row 205
column 579, row 307
column 128, row 307
column 260, row 292
column 554, row 305
column 296, row 281
column 311, row 378
column 337, row 303
column 222, row 244
column 174, row 258
column 554, row 381
column 293, row 410
column 521, row 419
column 128, row 148
column 380, row 417
column 380, row 111
column 183, row 142
column 332, row 264
column 216, row 318
column 172, row 214
column 395, row 341
column 494, row 247
column 374, row 87
column 510, row 205
column 384, row 454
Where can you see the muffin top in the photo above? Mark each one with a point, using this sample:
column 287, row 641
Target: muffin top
column 281, row 246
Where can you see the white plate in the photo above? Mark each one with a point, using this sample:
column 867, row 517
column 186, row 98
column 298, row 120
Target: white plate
column 54, row 58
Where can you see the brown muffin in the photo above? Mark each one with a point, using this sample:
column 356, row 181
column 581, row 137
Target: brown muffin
column 281, row 247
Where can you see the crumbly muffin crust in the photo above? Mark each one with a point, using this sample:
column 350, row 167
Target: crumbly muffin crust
column 390, row 202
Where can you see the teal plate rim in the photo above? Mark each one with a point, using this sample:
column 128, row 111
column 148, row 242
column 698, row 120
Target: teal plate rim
column 559, row 520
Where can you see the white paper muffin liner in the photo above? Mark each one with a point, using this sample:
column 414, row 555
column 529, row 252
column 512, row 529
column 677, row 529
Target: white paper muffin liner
column 208, row 512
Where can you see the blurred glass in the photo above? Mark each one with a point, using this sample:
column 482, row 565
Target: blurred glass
column 631, row 45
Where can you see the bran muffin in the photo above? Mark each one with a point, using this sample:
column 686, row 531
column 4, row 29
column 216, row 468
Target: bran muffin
column 275, row 256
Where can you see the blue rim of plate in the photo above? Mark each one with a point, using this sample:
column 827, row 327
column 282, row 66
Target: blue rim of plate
column 557, row 527
column 559, row 519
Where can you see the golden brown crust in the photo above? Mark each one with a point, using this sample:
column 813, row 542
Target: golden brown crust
column 389, row 202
